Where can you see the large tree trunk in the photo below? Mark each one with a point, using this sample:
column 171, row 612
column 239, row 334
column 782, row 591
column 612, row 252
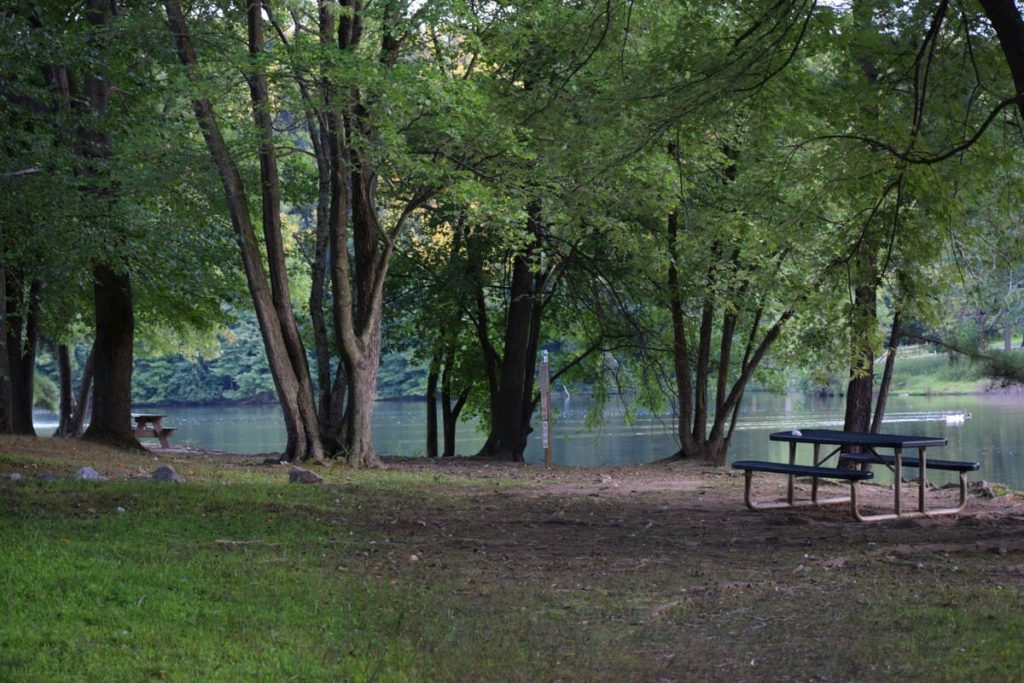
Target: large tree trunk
column 111, row 421
column 860, row 387
column 507, row 438
column 364, row 391
column 22, row 343
column 1009, row 26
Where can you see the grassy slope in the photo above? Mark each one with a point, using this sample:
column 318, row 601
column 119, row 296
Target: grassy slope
column 321, row 584
column 934, row 374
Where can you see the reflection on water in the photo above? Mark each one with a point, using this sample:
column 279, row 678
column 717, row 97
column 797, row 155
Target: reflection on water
column 993, row 435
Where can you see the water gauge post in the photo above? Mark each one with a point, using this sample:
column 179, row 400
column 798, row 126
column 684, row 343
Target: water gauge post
column 545, row 407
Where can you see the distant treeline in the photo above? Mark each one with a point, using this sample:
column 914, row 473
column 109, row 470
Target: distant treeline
column 238, row 374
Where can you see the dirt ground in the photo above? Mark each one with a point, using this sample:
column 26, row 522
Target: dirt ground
column 667, row 576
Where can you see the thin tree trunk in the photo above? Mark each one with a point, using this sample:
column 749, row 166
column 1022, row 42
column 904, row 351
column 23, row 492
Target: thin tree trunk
column 293, row 390
column 66, row 408
column 450, row 411
column 308, row 436
column 703, row 371
column 680, row 348
column 432, row 378
column 890, row 364
column 82, row 404
column 6, row 407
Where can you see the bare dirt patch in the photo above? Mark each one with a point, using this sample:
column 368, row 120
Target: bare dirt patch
column 658, row 572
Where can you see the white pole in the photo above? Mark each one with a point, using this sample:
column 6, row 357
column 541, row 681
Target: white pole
column 545, row 407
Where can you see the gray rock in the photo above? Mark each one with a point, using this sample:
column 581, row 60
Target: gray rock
column 14, row 476
column 89, row 474
column 297, row 475
column 167, row 473
column 982, row 489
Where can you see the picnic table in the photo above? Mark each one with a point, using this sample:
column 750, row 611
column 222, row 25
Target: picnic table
column 867, row 447
column 147, row 425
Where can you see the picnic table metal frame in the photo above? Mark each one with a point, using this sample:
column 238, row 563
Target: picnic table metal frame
column 870, row 443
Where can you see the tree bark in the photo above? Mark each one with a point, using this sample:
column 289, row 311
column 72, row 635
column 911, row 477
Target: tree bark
column 1009, row 27
column 294, row 392
column 450, row 411
column 112, row 291
column 860, row 387
column 890, row 365
column 22, row 343
column 432, row 379
column 680, row 347
column 111, row 421
column 6, row 408
column 66, row 410
column 506, row 439
column 82, row 404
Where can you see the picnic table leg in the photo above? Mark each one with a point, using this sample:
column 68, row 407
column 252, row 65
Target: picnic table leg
column 922, row 478
column 792, row 461
column 898, row 474
column 814, row 480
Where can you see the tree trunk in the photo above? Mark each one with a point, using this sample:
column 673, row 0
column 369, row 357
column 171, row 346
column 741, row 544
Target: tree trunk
column 67, row 395
column 450, row 411
column 680, row 348
column 1009, row 26
column 289, row 371
column 432, row 379
column 507, row 440
column 84, row 395
column 111, row 421
column 890, row 365
column 6, row 408
column 364, row 389
column 860, row 387
column 22, row 343
column 112, row 293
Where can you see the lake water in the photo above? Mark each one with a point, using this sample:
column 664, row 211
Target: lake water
column 994, row 435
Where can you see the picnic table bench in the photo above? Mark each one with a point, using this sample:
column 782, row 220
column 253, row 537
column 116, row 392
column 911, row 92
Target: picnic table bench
column 147, row 425
column 867, row 444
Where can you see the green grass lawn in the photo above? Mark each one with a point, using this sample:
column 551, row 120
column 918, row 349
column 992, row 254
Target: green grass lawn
column 934, row 374
column 398, row 575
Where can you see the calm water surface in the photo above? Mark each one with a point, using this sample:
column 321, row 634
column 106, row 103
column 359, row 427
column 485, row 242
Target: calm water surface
column 994, row 435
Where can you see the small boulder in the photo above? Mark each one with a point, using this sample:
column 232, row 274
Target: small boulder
column 89, row 474
column 297, row 475
column 167, row 473
column 14, row 476
column 982, row 489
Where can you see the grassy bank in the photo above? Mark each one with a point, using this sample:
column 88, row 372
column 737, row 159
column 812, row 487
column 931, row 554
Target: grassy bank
column 933, row 374
column 459, row 571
